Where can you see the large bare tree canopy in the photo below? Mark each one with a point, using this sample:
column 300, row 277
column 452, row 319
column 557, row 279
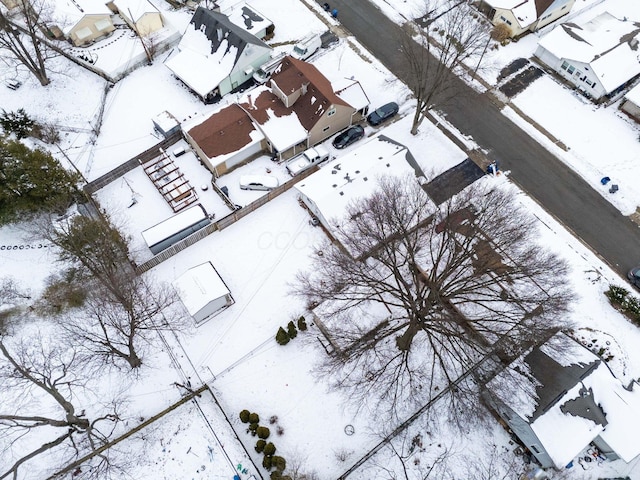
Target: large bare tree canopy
column 416, row 294
column 448, row 36
column 21, row 37
column 45, row 381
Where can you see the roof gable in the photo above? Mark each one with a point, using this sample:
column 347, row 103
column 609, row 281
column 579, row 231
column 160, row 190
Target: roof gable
column 135, row 9
column 291, row 75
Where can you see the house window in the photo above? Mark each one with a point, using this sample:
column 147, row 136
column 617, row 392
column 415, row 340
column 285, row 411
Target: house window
column 331, row 112
column 564, row 65
column 535, row 449
column 326, row 128
column 508, row 22
column 571, row 69
column 502, row 18
column 588, row 82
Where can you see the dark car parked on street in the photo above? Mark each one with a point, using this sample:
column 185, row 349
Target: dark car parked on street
column 634, row 277
column 382, row 114
column 350, row 135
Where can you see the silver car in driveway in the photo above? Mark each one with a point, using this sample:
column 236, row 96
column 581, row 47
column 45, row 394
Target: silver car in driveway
column 258, row 182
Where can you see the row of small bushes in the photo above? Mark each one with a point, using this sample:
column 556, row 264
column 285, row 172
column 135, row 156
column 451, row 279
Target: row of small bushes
column 284, row 336
column 627, row 304
column 269, row 460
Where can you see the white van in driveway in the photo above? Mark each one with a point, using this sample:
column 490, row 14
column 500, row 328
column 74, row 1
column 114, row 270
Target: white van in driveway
column 264, row 71
column 307, row 46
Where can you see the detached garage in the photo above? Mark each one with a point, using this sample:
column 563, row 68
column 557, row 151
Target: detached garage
column 203, row 292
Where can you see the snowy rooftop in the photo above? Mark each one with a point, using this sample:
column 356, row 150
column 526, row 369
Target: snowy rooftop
column 173, row 224
column 248, row 18
column 603, row 42
column 570, row 396
column 354, row 176
column 633, row 95
column 352, row 93
column 209, row 49
column 165, row 121
column 198, row 286
column 135, row 9
column 70, row 12
column 198, row 67
column 283, row 130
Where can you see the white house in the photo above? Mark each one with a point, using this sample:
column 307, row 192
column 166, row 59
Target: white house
column 597, row 57
column 523, row 16
column 203, row 292
column 328, row 192
column 559, row 398
column 216, row 56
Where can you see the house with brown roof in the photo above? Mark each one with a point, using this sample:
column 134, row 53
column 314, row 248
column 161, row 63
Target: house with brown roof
column 296, row 109
column 522, row 16
column 226, row 139
column 303, row 99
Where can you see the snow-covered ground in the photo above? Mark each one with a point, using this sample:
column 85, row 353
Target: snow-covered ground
column 259, row 255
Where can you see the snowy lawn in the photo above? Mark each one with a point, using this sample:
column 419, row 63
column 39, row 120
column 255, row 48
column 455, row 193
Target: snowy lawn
column 259, row 255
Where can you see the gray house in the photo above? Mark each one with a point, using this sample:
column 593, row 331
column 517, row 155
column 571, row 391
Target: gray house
column 203, row 292
column 216, row 56
column 564, row 404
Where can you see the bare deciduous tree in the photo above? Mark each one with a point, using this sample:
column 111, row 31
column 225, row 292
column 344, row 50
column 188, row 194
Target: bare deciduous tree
column 416, row 294
column 47, row 379
column 433, row 54
column 123, row 310
column 114, row 329
column 21, row 37
column 12, row 299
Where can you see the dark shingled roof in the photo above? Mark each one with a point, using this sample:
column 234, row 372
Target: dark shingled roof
column 224, row 132
column 541, row 6
column 556, row 380
column 210, row 23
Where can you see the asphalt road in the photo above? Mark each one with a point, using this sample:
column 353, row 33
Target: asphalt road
column 538, row 172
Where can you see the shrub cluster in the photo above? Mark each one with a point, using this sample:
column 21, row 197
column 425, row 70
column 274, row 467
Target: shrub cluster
column 627, row 304
column 501, row 33
column 270, row 460
column 284, row 336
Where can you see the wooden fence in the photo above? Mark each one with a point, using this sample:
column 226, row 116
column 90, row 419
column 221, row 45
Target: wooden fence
column 222, row 223
column 129, row 165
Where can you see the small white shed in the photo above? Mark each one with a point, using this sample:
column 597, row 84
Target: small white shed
column 203, row 292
